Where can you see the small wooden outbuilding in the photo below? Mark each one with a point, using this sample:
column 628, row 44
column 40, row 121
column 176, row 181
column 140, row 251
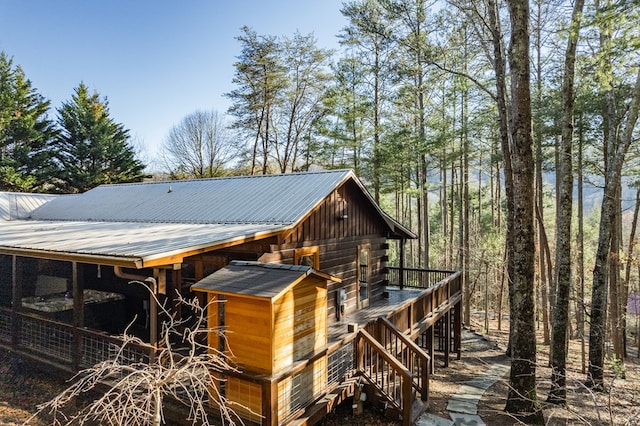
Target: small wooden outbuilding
column 271, row 316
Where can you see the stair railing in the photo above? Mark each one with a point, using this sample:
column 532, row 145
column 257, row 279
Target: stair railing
column 380, row 368
column 405, row 350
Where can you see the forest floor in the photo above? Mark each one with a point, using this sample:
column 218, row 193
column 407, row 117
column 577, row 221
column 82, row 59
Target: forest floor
column 620, row 405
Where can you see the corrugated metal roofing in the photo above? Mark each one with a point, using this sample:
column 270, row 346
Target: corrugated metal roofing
column 256, row 279
column 140, row 240
column 148, row 221
column 17, row 205
column 272, row 199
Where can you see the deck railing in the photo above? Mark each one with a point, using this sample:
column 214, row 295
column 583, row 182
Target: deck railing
column 440, row 296
column 416, row 278
column 67, row 347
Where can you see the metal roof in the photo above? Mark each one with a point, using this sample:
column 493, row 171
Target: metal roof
column 18, row 205
column 144, row 241
column 273, row 199
column 146, row 221
column 262, row 280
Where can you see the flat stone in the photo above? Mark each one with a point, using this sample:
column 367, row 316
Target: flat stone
column 462, row 406
column 482, row 383
column 474, row 391
column 428, row 419
column 466, row 420
column 498, row 370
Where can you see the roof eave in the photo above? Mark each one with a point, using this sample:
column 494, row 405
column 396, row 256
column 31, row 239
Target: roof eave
column 123, row 261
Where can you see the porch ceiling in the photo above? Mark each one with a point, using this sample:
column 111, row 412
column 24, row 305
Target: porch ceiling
column 132, row 244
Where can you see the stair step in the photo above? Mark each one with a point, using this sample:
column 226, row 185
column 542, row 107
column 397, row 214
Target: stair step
column 316, row 412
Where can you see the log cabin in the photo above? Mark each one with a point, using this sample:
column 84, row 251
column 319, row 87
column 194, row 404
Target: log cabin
column 306, row 253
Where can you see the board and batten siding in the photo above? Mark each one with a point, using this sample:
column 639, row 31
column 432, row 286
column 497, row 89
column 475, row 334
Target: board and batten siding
column 338, row 227
column 299, row 323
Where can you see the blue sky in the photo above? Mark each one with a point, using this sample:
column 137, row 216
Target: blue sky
column 155, row 61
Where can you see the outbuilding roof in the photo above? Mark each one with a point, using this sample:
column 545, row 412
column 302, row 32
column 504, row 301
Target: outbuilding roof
column 256, row 279
column 145, row 224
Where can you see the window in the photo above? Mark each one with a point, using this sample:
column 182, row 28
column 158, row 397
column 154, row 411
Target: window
column 307, row 256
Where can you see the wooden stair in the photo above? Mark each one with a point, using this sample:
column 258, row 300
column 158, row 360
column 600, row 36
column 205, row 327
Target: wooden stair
column 325, row 405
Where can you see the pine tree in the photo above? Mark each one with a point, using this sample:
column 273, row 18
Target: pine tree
column 25, row 132
column 92, row 149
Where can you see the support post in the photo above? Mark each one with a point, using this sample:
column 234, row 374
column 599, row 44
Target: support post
column 447, row 337
column 78, row 316
column 401, row 274
column 270, row 402
column 457, row 329
column 429, row 335
column 16, row 303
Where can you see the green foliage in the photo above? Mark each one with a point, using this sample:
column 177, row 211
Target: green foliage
column 280, row 84
column 92, row 149
column 25, row 132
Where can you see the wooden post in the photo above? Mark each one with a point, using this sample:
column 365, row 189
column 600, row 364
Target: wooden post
column 270, row 402
column 447, row 337
column 176, row 286
column 407, row 401
column 358, row 352
column 401, row 272
column 457, row 329
column 429, row 334
column 16, row 303
column 425, row 367
column 78, row 316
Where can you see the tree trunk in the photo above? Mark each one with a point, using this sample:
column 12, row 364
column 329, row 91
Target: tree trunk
column 522, row 400
column 579, row 307
column 545, row 274
column 559, row 337
column 627, row 271
column 542, row 237
column 616, row 153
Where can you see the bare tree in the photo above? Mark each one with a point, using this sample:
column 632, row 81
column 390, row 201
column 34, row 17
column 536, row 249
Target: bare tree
column 183, row 369
column 198, row 147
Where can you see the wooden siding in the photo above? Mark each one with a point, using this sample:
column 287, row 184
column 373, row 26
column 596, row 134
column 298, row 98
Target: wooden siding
column 248, row 332
column 346, row 212
column 337, row 241
column 245, row 398
column 299, row 323
column 338, row 258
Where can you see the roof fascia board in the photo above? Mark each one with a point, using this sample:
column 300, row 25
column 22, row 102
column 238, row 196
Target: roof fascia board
column 127, row 262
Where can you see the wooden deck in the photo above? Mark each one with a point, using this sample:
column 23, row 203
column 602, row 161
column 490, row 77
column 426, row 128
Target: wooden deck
column 395, row 301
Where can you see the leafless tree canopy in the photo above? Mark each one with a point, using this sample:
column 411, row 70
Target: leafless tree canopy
column 198, row 147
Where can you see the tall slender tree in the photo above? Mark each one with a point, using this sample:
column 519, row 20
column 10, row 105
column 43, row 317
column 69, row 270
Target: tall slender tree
column 369, row 32
column 259, row 79
column 300, row 104
column 563, row 278
column 522, row 399
column 618, row 135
